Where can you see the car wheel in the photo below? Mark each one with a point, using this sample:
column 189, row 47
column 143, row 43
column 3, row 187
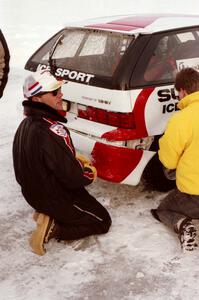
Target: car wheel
column 155, row 177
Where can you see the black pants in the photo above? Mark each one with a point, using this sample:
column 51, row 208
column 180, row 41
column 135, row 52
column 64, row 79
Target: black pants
column 84, row 217
column 177, row 205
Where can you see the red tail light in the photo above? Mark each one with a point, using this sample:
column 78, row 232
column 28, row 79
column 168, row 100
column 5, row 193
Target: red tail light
column 117, row 119
column 62, row 113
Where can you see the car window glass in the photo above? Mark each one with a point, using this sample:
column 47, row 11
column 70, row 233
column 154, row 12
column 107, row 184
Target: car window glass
column 94, row 45
column 158, row 66
column 85, row 50
column 69, row 45
column 168, row 53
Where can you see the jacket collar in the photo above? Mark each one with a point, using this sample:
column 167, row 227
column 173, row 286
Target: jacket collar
column 39, row 109
column 189, row 99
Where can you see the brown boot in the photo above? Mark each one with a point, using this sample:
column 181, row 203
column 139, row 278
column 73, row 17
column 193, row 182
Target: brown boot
column 42, row 234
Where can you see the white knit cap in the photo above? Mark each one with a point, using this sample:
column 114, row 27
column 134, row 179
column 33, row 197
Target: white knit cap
column 39, row 82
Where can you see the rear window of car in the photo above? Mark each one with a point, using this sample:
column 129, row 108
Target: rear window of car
column 85, row 50
column 165, row 55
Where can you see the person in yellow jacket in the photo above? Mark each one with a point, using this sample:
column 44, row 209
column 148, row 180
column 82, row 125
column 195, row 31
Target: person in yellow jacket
column 179, row 150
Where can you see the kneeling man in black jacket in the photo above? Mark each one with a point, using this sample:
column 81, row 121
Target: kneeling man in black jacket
column 51, row 177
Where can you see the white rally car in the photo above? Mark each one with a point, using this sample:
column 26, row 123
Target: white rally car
column 119, row 93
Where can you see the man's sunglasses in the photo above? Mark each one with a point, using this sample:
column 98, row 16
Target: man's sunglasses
column 54, row 93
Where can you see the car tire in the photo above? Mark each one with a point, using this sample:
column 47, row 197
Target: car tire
column 154, row 176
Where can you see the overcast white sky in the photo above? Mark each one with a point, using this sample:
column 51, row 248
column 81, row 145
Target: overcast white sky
column 78, row 9
column 25, row 17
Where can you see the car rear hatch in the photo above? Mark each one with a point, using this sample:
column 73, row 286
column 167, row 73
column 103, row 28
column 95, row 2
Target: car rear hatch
column 89, row 60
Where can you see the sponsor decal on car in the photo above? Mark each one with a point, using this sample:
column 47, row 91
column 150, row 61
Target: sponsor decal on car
column 102, row 101
column 73, row 75
column 165, row 95
column 188, row 63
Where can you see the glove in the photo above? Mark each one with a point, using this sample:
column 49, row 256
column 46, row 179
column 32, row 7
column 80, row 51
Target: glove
column 169, row 174
column 84, row 160
column 89, row 168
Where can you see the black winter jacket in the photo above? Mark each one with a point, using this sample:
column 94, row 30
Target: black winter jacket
column 44, row 160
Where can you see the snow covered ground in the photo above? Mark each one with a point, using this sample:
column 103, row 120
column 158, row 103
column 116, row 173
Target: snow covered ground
column 139, row 259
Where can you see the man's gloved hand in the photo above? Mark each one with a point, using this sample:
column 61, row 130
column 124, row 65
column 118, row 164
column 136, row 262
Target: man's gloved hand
column 84, row 160
column 170, row 174
column 89, row 168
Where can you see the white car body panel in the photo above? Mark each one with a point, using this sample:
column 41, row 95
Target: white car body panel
column 134, row 177
column 113, row 100
column 86, row 126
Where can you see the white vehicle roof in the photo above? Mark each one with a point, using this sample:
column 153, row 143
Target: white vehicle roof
column 142, row 23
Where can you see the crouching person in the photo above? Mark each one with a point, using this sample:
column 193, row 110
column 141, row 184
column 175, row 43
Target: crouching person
column 179, row 150
column 51, row 177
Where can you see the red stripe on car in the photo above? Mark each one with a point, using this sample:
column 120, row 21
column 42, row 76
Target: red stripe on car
column 127, row 24
column 139, row 111
column 112, row 26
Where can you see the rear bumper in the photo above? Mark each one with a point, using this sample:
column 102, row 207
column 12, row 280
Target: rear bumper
column 114, row 163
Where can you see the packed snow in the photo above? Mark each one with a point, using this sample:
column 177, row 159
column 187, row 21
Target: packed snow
column 139, row 258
